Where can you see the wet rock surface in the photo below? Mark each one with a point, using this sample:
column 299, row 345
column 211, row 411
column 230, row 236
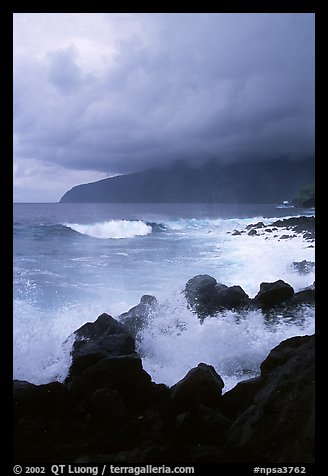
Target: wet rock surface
column 109, row 410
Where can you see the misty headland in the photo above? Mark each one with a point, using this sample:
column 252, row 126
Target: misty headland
column 268, row 181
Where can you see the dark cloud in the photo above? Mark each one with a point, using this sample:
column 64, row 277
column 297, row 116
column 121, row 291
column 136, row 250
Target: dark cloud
column 63, row 72
column 189, row 86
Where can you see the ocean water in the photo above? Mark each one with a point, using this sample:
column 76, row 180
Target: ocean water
column 73, row 262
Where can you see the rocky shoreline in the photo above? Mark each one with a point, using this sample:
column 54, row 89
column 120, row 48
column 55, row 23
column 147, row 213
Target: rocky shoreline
column 108, row 410
column 291, row 227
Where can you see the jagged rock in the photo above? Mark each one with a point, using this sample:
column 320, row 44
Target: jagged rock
column 305, row 296
column 45, row 424
column 97, row 340
column 240, row 397
column 206, row 296
column 231, row 297
column 272, row 294
column 105, row 408
column 124, row 374
column 278, row 425
column 108, row 409
column 47, row 400
column 137, row 317
column 201, row 294
column 201, row 385
column 104, row 357
column 304, row 225
column 203, row 425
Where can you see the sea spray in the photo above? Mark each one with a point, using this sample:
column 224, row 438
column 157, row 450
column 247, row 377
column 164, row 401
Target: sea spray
column 175, row 340
column 64, row 278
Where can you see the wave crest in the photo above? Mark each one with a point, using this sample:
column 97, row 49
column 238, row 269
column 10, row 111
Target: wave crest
column 112, row 229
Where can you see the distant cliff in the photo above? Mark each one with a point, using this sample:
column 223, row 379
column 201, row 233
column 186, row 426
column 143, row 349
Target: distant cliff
column 305, row 197
column 250, row 182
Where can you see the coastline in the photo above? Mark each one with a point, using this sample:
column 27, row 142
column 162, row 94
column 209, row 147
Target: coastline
column 109, row 410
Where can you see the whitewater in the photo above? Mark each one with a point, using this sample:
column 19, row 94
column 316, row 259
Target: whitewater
column 73, row 262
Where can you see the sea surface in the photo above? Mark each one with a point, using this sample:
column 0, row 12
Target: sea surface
column 73, row 262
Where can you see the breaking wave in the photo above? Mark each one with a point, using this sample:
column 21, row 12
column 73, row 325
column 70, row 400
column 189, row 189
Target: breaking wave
column 114, row 229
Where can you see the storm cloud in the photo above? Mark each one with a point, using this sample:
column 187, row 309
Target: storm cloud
column 103, row 94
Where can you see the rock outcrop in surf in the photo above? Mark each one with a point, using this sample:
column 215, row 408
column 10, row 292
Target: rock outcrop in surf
column 109, row 410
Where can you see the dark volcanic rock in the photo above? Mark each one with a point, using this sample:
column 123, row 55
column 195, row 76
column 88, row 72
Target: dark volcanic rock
column 94, row 341
column 205, row 296
column 124, row 374
column 105, row 408
column 272, row 294
column 201, row 294
column 45, row 424
column 303, row 267
column 48, row 400
column 260, row 224
column 138, row 316
column 241, row 396
column 203, row 425
column 306, row 296
column 231, row 297
column 304, row 225
column 299, row 225
column 278, row 425
column 109, row 410
column 201, row 385
column 104, row 357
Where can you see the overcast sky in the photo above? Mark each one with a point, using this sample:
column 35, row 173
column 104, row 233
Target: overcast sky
column 100, row 94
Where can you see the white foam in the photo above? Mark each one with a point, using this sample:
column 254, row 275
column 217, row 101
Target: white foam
column 41, row 343
column 247, row 260
column 175, row 341
column 266, row 258
column 115, row 229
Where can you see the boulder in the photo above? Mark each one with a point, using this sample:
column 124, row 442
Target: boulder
column 303, row 297
column 201, row 385
column 47, row 400
column 138, row 316
column 272, row 294
column 206, row 297
column 201, row 295
column 278, row 425
column 231, row 297
column 45, row 423
column 104, row 357
column 94, row 341
column 203, row 425
column 238, row 399
column 124, row 374
column 304, row 225
column 105, row 408
column 259, row 224
column 109, row 410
